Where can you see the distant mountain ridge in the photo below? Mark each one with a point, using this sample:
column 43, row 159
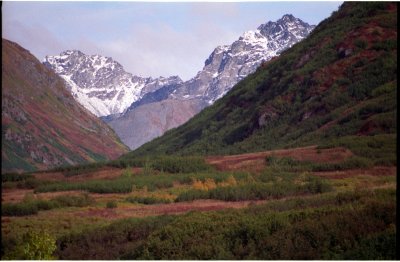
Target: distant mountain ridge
column 229, row 64
column 42, row 124
column 226, row 66
column 101, row 84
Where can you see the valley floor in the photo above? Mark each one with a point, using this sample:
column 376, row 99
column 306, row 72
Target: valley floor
column 72, row 204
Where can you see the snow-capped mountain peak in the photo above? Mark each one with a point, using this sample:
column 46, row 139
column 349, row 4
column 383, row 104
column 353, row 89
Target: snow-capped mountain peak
column 101, row 84
column 228, row 64
column 286, row 27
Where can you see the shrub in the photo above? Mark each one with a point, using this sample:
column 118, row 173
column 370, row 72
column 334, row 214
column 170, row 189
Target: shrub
column 179, row 164
column 346, row 197
column 19, row 209
column 316, row 185
column 38, row 246
column 208, row 184
column 74, row 201
column 372, row 148
column 111, row 204
column 34, row 246
column 14, row 177
column 361, row 43
column 381, row 246
column 47, row 205
column 69, row 171
column 284, row 184
column 109, row 242
column 350, row 163
column 121, row 185
column 241, row 192
column 148, row 200
column 31, row 205
column 191, row 195
column 286, row 164
column 127, row 173
column 31, row 183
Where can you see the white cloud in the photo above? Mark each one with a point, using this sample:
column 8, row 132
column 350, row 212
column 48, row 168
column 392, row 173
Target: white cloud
column 159, row 49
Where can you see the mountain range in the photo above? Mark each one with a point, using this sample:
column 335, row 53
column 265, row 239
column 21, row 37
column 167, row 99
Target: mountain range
column 140, row 109
column 42, row 124
column 101, row 84
column 340, row 82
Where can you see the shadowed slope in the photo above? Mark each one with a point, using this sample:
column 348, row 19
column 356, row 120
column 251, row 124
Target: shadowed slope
column 42, row 125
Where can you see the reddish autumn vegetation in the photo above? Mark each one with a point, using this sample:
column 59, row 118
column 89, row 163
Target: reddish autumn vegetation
column 330, row 194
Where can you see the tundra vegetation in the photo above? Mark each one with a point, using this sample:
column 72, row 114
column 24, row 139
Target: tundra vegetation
column 328, row 104
column 291, row 210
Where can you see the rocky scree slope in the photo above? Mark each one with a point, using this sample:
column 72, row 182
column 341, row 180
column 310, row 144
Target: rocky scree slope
column 340, row 81
column 101, row 84
column 226, row 66
column 42, row 124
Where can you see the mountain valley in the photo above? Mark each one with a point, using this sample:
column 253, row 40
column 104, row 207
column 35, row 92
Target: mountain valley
column 340, row 81
column 102, row 86
column 294, row 158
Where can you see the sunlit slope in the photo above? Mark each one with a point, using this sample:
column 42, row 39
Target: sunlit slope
column 340, row 81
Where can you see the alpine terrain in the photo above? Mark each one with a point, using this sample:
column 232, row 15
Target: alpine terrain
column 102, row 86
column 226, row 66
column 297, row 161
column 339, row 82
column 42, row 124
column 229, row 64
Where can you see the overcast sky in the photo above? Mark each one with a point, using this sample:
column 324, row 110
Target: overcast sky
column 148, row 39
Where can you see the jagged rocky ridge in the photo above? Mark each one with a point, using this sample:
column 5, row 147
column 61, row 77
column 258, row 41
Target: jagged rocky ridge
column 229, row 64
column 225, row 67
column 113, row 92
column 101, row 84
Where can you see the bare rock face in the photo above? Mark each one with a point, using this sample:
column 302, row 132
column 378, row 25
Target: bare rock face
column 152, row 120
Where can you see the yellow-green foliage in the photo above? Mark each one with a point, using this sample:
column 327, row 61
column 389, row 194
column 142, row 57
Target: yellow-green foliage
column 208, row 184
column 230, row 181
column 34, row 246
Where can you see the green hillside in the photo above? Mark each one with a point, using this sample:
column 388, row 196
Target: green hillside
column 340, row 82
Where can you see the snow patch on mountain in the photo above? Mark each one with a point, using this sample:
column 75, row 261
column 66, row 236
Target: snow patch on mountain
column 229, row 64
column 127, row 101
column 101, row 84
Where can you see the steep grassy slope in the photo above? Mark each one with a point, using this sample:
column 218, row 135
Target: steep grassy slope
column 340, row 81
column 42, row 125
